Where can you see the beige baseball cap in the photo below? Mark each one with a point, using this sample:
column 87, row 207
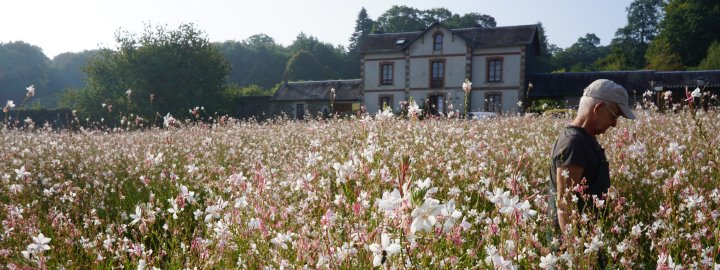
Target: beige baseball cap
column 608, row 90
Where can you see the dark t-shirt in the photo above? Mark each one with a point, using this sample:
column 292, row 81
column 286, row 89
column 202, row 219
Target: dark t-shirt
column 575, row 146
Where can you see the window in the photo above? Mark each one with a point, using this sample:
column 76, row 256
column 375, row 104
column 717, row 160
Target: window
column 437, row 71
column 493, row 102
column 494, row 69
column 385, row 101
column 438, row 41
column 300, row 111
column 386, row 73
column 436, row 104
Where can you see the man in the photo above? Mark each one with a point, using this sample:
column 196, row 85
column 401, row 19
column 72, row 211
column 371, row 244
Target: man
column 577, row 155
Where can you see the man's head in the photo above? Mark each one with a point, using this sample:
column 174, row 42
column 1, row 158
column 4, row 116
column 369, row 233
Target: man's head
column 602, row 103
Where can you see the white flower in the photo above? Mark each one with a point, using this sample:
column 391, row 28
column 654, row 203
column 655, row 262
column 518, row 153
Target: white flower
column 343, row 171
column 451, row 215
column 390, row 200
column 22, row 173
column 422, row 184
column 424, row 216
column 548, row 261
column 174, row 210
column 10, row 104
column 137, row 216
column 497, row 196
column 692, row 200
column 385, row 113
column 31, row 90
column 413, row 108
column 509, row 205
column 595, row 244
column 696, row 93
column 385, row 249
column 188, row 195
column 280, row 240
column 526, row 211
column 128, row 92
column 213, row 211
column 39, row 244
column 467, row 86
column 254, row 223
column 168, row 120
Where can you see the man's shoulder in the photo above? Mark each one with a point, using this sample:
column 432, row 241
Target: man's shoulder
column 571, row 135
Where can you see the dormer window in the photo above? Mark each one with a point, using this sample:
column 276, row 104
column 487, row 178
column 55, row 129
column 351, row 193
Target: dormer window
column 438, row 41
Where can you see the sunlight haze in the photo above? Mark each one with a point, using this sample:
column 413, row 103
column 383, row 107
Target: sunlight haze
column 77, row 25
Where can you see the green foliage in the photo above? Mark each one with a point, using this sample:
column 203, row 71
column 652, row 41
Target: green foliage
column 303, row 66
column 630, row 44
column 363, row 28
column 544, row 62
column 167, row 72
column 256, row 60
column 582, row 55
column 21, row 65
column 712, row 59
column 545, row 104
column 472, row 19
column 662, row 56
column 333, row 62
column 408, row 19
column 689, row 27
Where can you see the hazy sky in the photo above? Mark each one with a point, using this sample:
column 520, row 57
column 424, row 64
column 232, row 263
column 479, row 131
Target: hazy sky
column 59, row 26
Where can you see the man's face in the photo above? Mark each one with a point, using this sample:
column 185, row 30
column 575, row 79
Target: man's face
column 608, row 117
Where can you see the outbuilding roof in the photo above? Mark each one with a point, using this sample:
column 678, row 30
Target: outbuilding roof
column 572, row 84
column 345, row 90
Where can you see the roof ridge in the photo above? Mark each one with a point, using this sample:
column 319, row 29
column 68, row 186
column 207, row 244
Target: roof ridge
column 325, row 81
column 494, row 27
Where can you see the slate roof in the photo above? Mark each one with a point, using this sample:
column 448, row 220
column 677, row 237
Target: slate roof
column 476, row 37
column 571, row 84
column 345, row 90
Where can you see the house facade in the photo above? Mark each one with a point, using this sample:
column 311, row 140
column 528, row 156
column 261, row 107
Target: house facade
column 430, row 66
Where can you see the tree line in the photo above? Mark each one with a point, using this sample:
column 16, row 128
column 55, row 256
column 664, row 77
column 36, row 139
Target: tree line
column 174, row 70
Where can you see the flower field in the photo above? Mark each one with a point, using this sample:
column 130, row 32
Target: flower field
column 354, row 194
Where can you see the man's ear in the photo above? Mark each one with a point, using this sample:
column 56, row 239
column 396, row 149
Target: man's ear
column 598, row 107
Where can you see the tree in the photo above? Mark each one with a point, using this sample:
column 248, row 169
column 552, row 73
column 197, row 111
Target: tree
column 712, row 59
column 662, row 56
column 400, row 19
column 303, row 66
column 630, row 44
column 332, row 61
column 582, row 55
column 688, row 29
column 472, row 19
column 544, row 62
column 407, row 19
column 21, row 65
column 363, row 27
column 179, row 69
column 255, row 60
column 433, row 15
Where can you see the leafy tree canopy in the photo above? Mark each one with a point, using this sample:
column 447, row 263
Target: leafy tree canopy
column 688, row 29
column 408, row 19
column 160, row 71
column 21, row 65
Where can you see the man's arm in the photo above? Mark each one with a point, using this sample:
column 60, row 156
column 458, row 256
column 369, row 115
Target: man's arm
column 567, row 178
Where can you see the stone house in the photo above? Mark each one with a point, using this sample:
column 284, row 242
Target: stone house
column 431, row 65
column 310, row 98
